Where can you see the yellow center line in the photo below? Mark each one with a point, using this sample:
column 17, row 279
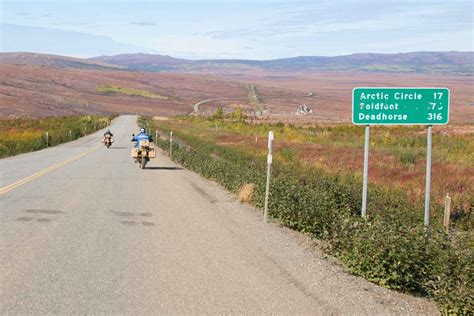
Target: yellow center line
column 43, row 172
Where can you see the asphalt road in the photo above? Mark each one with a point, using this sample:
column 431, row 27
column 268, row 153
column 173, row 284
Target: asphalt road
column 95, row 234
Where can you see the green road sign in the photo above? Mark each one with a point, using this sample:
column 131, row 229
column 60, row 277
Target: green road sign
column 400, row 106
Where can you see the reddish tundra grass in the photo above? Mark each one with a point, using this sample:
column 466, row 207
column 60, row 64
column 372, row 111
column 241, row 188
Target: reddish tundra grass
column 397, row 154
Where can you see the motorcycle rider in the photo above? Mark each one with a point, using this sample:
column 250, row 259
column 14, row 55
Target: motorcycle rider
column 108, row 140
column 141, row 136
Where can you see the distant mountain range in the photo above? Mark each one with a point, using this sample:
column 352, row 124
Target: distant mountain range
column 459, row 63
column 426, row 62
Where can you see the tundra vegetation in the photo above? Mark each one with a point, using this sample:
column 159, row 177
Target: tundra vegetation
column 114, row 89
column 316, row 189
column 21, row 135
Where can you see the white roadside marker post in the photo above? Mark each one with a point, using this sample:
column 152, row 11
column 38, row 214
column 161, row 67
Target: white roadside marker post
column 156, row 136
column 366, row 170
column 269, row 168
column 47, row 140
column 171, row 145
column 447, row 212
column 70, row 135
column 428, row 176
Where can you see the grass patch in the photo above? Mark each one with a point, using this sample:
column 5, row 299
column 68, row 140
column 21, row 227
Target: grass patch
column 114, row 89
column 397, row 154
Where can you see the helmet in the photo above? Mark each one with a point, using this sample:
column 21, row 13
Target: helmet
column 142, row 130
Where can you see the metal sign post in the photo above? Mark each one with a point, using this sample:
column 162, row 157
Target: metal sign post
column 366, row 170
column 269, row 168
column 171, row 145
column 428, row 176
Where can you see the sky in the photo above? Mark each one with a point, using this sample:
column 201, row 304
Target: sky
column 258, row 29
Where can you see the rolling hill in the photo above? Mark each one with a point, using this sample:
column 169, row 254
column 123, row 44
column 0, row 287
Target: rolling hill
column 146, row 62
column 26, row 58
column 461, row 63
column 455, row 63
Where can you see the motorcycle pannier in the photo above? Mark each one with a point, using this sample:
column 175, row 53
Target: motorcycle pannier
column 134, row 152
column 152, row 153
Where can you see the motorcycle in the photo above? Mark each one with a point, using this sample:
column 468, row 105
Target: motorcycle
column 108, row 140
column 143, row 152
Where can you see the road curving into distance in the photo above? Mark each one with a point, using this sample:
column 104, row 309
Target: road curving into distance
column 198, row 104
column 84, row 230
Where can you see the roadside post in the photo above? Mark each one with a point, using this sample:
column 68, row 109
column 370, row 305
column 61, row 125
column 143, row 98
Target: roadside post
column 171, row 145
column 447, row 213
column 70, row 135
column 269, row 169
column 156, row 136
column 428, row 175
column 400, row 106
column 47, row 140
column 366, row 170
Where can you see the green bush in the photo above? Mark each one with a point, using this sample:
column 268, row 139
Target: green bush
column 410, row 157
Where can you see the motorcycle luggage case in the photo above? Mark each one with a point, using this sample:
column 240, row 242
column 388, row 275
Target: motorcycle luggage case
column 134, row 152
column 152, row 153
